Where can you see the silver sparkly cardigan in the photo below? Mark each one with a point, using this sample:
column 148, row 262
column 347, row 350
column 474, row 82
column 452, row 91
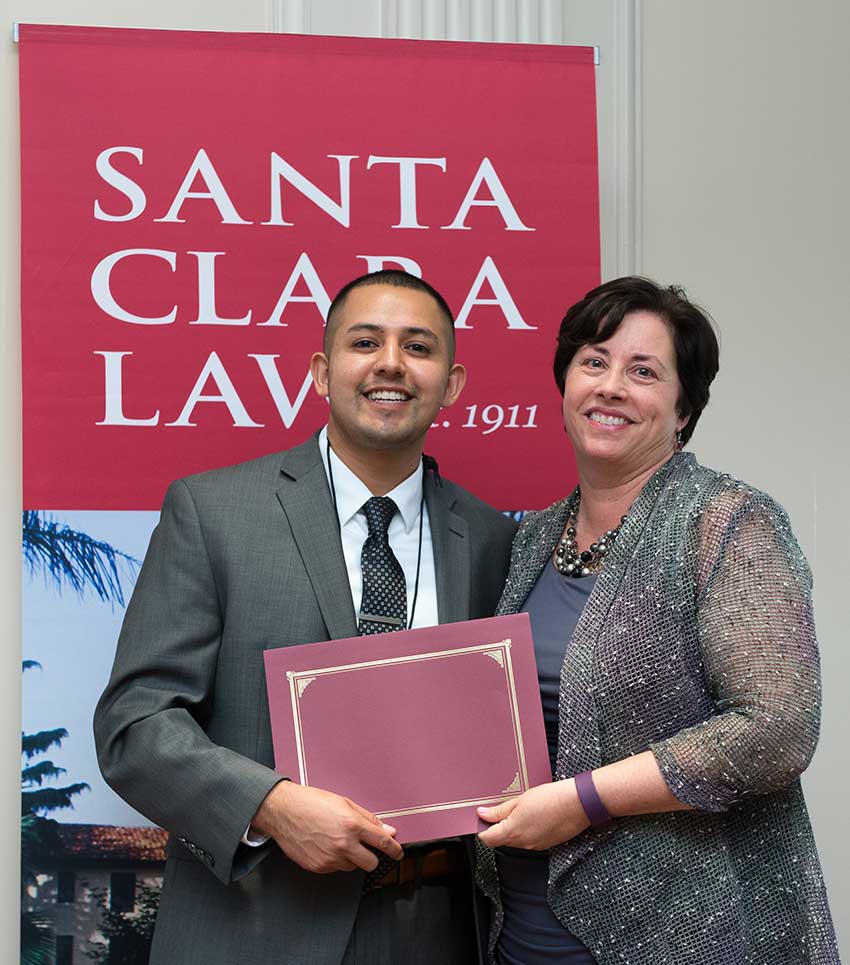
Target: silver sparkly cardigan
column 697, row 642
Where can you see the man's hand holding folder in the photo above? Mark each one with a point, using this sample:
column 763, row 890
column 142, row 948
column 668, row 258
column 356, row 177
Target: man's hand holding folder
column 323, row 832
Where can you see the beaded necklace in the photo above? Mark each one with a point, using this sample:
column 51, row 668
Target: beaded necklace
column 568, row 560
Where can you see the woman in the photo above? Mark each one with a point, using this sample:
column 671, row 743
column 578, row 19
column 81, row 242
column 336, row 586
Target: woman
column 673, row 628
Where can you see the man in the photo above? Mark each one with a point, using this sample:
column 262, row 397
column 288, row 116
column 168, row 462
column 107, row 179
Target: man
column 278, row 552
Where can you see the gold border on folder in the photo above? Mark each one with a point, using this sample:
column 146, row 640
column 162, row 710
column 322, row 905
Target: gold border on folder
column 499, row 652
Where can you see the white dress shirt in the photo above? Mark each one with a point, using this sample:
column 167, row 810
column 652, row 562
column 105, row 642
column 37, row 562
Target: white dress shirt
column 350, row 493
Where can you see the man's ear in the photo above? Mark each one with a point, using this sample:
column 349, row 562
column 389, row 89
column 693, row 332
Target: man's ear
column 454, row 386
column 319, row 371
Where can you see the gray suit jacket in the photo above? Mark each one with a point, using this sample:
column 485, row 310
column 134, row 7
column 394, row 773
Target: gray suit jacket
column 246, row 558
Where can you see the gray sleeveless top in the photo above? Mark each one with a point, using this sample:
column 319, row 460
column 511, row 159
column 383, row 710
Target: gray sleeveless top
column 554, row 607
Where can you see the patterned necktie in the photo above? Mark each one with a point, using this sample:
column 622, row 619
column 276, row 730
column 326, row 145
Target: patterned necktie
column 383, row 605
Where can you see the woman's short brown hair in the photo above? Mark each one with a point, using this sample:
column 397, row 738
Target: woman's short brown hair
column 598, row 315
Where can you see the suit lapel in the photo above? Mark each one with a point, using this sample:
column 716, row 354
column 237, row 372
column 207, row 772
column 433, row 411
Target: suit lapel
column 305, row 497
column 450, row 538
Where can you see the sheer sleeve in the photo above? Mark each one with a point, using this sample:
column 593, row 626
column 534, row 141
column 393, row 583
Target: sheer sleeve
column 757, row 637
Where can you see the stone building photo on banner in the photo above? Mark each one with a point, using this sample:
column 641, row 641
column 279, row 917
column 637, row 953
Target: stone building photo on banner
column 191, row 203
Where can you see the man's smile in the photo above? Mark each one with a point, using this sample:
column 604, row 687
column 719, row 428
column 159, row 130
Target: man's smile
column 388, row 395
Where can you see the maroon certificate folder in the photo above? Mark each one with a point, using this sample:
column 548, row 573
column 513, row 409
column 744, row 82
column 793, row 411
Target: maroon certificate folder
column 418, row 726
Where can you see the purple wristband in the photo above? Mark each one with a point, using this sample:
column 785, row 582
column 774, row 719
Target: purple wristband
column 595, row 810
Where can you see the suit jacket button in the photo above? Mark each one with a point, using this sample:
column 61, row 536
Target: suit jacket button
column 210, row 860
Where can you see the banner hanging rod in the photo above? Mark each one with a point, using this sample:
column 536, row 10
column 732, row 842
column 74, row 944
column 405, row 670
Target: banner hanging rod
column 16, row 25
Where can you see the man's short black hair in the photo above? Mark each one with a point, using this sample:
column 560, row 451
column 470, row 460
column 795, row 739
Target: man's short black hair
column 598, row 315
column 396, row 278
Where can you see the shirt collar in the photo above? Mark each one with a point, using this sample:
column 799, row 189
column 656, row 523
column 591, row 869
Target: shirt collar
column 352, row 492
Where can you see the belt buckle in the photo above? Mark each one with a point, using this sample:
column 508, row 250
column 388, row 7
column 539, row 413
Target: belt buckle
column 392, row 876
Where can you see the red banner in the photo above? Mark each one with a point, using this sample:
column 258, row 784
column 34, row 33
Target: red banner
column 192, row 202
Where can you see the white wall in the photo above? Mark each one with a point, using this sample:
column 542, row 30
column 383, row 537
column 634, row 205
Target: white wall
column 725, row 174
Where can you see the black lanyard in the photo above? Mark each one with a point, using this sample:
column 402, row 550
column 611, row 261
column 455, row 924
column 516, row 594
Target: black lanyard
column 421, row 518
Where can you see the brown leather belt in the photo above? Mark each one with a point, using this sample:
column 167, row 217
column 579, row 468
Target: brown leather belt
column 425, row 862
